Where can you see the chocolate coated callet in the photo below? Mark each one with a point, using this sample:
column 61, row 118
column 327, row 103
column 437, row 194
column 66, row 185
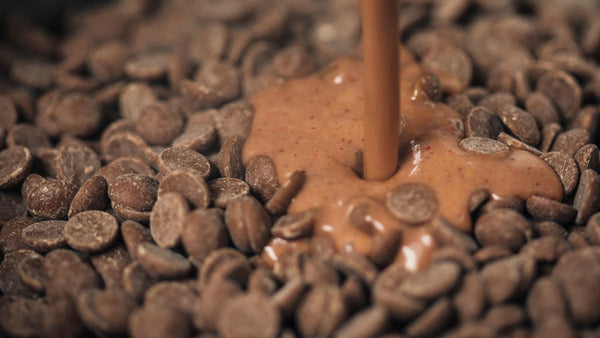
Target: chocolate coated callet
column 504, row 227
column 147, row 66
column 234, row 119
column 11, row 234
column 47, row 198
column 545, row 300
column 134, row 98
column 31, row 272
column 461, row 103
column 587, row 197
column 592, row 229
column 520, row 123
column 161, row 262
column 200, row 139
column 136, row 280
column 110, row 264
column 321, row 311
column 545, row 209
column 45, row 236
column 124, row 144
column 502, row 279
column 292, row 226
column 204, row 230
column 76, row 114
column 412, row 203
column 563, row 90
column 180, row 158
column 494, row 102
column 565, row 167
column 223, row 190
column 480, row 145
column 177, row 295
column 480, row 122
column 91, row 231
column 92, row 195
column 580, row 286
column 282, row 198
column 167, row 219
column 250, row 315
column 10, row 281
column 248, row 224
column 261, row 176
column 570, row 141
column 546, row 249
column 436, row 280
column 15, row 164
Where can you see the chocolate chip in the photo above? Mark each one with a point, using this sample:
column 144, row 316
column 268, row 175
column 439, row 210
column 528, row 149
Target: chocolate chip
column 134, row 98
column 180, row 158
column 501, row 202
column 461, row 103
column 110, row 265
column 123, row 166
column 133, row 235
column 223, row 190
column 469, row 300
column 541, row 108
column 579, row 285
column 45, row 236
column 234, row 119
column 251, row 314
column 15, row 164
column 261, row 176
column 494, row 102
column 565, row 167
column 427, row 87
column 514, row 143
column 520, row 123
column 482, row 146
column 292, row 226
column 11, row 235
column 386, row 292
column 215, row 83
column 480, row 122
column 455, row 254
column 282, row 198
column 545, row 209
column 446, row 234
column 369, row 322
column 453, row 67
column 11, row 205
column 586, row 118
column 91, row 231
column 545, row 300
column 172, row 324
column 151, row 65
column 248, row 224
column 159, row 123
column 230, row 158
column 213, row 299
column 32, row 274
column 203, row 231
column 33, row 73
column 47, row 198
column 503, row 317
column 592, row 229
column 20, row 316
column 587, row 157
column 570, row 141
column 162, row 262
column 200, row 139
column 549, row 133
column 188, row 184
column 224, row 264
column 587, row 199
column 502, row 227
column 75, row 163
column 355, row 264
column 550, row 229
column 106, row 61
column 8, row 112
column 167, row 219
column 321, row 311
column 546, row 249
column 133, row 191
column 136, row 280
column 10, row 281
column 563, row 90
column 412, row 203
column 177, row 296
column 76, row 114
column 502, row 279
column 436, row 280
column 105, row 311
column 433, row 321
column 92, row 195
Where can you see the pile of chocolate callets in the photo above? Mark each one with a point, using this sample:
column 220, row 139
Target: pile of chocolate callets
column 126, row 209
